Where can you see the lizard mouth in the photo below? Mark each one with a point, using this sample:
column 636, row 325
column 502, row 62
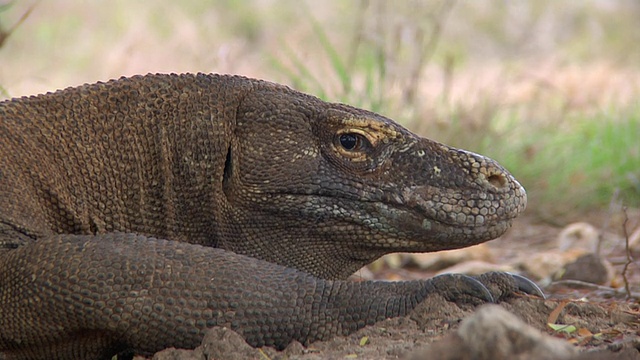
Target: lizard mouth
column 463, row 208
column 414, row 229
column 439, row 215
column 392, row 222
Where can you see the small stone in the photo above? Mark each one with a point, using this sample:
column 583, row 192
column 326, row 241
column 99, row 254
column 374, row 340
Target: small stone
column 295, row 348
column 589, row 268
column 219, row 343
column 222, row 343
column 580, row 235
column 634, row 241
column 543, row 265
column 444, row 259
column 178, row 354
column 496, row 334
column 476, row 267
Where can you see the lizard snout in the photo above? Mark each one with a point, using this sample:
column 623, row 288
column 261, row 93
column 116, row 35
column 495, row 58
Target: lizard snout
column 465, row 189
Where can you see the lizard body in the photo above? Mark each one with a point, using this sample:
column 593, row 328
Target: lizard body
column 288, row 193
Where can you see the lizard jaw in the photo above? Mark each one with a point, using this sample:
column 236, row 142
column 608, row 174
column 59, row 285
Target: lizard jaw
column 466, row 208
column 414, row 231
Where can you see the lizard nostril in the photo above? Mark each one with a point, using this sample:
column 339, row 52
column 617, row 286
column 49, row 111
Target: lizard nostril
column 497, row 180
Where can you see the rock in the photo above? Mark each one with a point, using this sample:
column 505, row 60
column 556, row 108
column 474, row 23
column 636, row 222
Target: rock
column 617, row 351
column 295, row 348
column 363, row 274
column 589, row 268
column 580, row 235
column 575, row 257
column 476, row 267
column 634, row 241
column 219, row 343
column 494, row 333
column 178, row 354
column 543, row 265
column 443, row 259
column 584, row 236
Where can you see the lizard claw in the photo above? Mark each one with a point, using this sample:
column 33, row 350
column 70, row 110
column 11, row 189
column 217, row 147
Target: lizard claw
column 491, row 287
column 527, row 286
column 503, row 285
column 460, row 288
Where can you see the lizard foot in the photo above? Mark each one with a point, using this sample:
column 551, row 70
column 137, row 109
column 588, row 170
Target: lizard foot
column 460, row 288
column 491, row 287
column 502, row 285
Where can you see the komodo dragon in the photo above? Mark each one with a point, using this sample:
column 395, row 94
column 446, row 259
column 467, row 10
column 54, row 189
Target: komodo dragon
column 109, row 191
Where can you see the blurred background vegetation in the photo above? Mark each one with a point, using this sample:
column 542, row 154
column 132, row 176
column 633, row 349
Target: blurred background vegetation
column 548, row 88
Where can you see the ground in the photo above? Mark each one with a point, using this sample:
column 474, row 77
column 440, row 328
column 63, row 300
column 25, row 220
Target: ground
column 602, row 317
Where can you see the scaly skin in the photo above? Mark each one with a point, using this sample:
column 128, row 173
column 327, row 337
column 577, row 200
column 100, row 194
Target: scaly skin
column 246, row 166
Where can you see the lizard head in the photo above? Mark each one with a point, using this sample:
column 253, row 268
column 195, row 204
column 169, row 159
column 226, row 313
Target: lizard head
column 328, row 188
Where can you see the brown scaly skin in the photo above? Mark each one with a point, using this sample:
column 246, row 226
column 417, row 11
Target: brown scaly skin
column 249, row 167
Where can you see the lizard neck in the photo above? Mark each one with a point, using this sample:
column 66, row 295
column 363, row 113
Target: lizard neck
column 307, row 250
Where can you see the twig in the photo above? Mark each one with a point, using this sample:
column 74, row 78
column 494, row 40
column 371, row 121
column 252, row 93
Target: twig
column 628, row 252
column 263, row 354
column 428, row 50
column 4, row 34
column 577, row 284
column 357, row 34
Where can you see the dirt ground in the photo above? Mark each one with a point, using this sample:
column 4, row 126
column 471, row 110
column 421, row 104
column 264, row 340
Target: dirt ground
column 606, row 323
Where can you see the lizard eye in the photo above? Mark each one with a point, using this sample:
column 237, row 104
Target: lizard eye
column 352, row 142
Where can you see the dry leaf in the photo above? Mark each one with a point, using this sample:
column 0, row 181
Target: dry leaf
column 364, row 341
column 553, row 317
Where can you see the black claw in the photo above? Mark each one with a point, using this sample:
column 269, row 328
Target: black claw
column 527, row 286
column 480, row 290
column 456, row 287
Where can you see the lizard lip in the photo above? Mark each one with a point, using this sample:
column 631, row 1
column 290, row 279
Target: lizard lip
column 418, row 231
column 431, row 219
column 467, row 209
column 425, row 208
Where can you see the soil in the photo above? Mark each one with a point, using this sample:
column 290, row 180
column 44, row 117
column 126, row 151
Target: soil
column 606, row 323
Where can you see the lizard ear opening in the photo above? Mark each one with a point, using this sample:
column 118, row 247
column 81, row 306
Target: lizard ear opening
column 226, row 175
